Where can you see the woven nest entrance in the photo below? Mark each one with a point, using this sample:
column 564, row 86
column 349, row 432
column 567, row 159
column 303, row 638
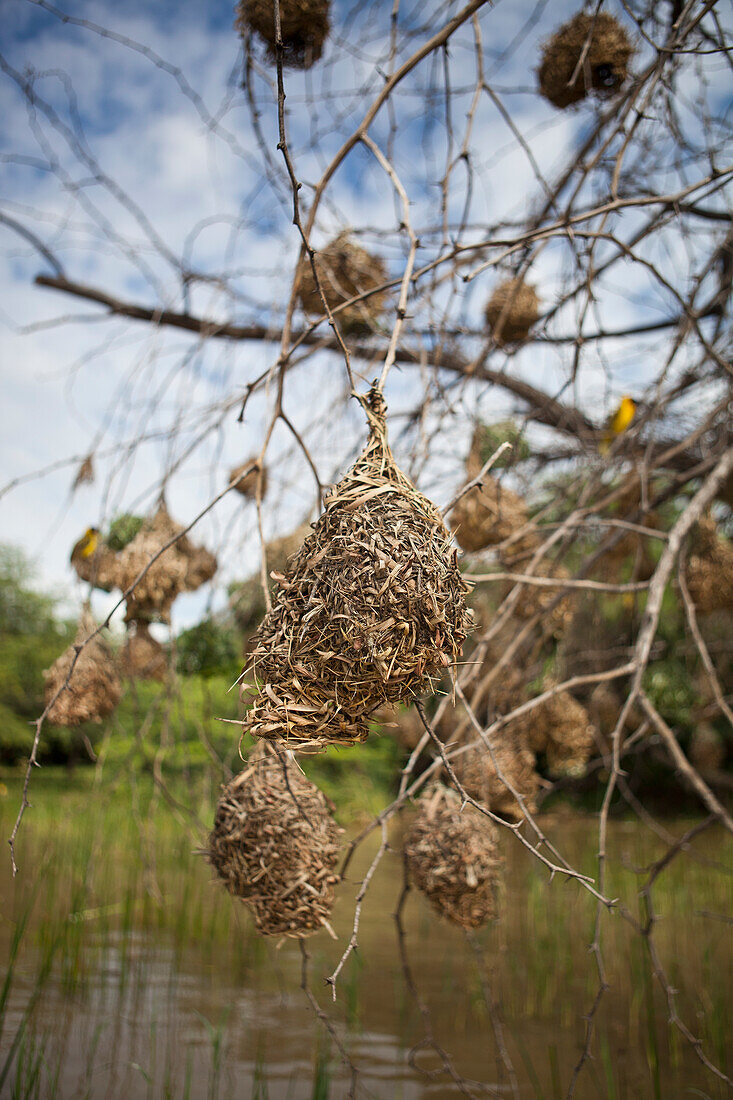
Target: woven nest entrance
column 94, row 562
column 562, row 729
column 304, row 26
column 511, row 311
column 182, row 567
column 345, row 270
column 246, row 478
column 452, row 858
column 371, row 610
column 604, row 64
column 477, row 770
column 710, row 569
column 142, row 657
column 94, row 688
column 275, row 845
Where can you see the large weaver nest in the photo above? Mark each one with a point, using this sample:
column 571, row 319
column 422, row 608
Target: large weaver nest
column 604, row 67
column 707, row 748
column 304, row 27
column 345, row 270
column 94, row 688
column 452, row 858
column 247, row 476
column 142, row 657
column 512, row 310
column 275, row 845
column 182, row 567
column 561, row 728
column 489, row 513
column 98, row 568
column 371, row 609
column 710, row 569
column 476, row 770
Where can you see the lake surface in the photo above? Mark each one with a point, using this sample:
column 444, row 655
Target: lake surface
column 136, row 976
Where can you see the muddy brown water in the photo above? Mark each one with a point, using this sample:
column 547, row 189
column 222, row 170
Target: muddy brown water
column 157, row 985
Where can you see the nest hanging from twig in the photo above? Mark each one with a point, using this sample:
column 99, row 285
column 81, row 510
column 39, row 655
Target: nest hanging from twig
column 710, row 569
column 94, row 562
column 452, row 858
column 247, row 476
column 477, row 770
column 275, row 845
column 142, row 657
column 561, row 728
column 604, row 63
column 304, row 28
column 371, row 609
column 707, row 748
column 181, row 567
column 85, row 473
column 512, row 310
column 487, row 515
column 93, row 689
column 345, row 270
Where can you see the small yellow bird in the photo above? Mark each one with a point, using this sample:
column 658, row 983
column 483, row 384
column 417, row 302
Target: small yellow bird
column 618, row 422
column 86, row 545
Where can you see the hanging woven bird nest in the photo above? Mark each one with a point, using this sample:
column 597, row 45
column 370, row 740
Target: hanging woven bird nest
column 180, row 568
column 710, row 569
column 487, row 515
column 85, row 473
column 477, row 770
column 604, row 62
column 93, row 689
column 94, row 562
column 707, row 748
column 452, row 858
column 275, row 845
column 345, row 270
column 247, row 476
column 511, row 311
column 304, row 27
column 561, row 728
column 142, row 657
column 371, row 609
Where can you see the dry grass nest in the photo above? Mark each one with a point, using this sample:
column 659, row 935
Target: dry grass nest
column 182, row 567
column 94, row 688
column 604, row 67
column 304, row 27
column 562, row 729
column 371, row 610
column 487, row 515
column 247, row 476
column 98, row 569
column 452, row 858
column 142, row 657
column 707, row 748
column 710, row 569
column 275, row 845
column 512, row 310
column 478, row 772
column 345, row 270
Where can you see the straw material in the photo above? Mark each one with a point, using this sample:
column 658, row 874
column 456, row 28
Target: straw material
column 707, row 748
column 478, row 773
column 99, row 569
column 85, row 473
column 247, row 476
column 561, row 728
column 710, row 569
column 452, row 858
column 94, row 688
column 345, row 269
column 142, row 657
column 604, row 67
column 371, row 609
column 512, row 310
column 304, row 26
column 182, row 567
column 487, row 515
column 275, row 845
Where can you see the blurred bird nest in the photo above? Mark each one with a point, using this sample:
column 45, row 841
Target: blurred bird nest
column 93, row 689
column 452, row 858
column 512, row 310
column 345, row 270
column 142, row 657
column 561, row 728
column 94, row 561
column 181, row 567
column 488, row 776
column 371, row 610
column 707, row 748
column 489, row 513
column 709, row 573
column 275, row 845
column 304, row 28
column 247, row 477
column 597, row 46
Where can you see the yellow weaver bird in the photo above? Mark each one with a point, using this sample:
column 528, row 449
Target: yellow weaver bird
column 618, row 422
column 86, row 545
